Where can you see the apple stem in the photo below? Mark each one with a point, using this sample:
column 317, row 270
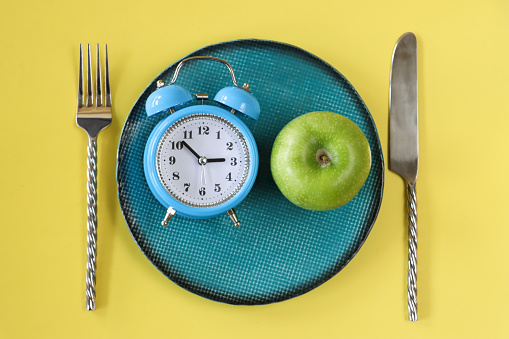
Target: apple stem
column 324, row 159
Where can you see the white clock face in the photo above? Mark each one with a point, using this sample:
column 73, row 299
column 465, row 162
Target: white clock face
column 202, row 160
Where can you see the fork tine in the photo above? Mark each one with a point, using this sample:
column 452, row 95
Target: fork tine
column 107, row 94
column 80, row 80
column 89, row 80
column 98, row 84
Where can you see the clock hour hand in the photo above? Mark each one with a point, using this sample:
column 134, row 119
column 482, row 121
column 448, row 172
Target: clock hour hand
column 189, row 148
column 216, row 160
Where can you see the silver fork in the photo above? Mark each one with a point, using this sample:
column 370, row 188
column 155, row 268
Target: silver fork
column 93, row 118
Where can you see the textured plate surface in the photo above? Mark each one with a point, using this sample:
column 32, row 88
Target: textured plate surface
column 280, row 251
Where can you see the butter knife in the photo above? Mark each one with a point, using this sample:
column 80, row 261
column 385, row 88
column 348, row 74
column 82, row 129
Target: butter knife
column 404, row 144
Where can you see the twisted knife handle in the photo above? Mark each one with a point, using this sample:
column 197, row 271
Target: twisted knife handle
column 91, row 222
column 412, row 253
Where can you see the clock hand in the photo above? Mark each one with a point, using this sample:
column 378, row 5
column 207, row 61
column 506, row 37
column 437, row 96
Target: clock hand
column 189, row 148
column 198, row 156
column 203, row 180
column 216, row 160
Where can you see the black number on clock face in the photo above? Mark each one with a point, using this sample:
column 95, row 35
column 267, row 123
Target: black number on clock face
column 229, row 146
column 202, row 191
column 203, row 130
column 172, row 160
column 188, row 134
column 176, row 145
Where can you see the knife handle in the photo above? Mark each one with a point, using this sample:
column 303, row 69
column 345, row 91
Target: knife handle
column 412, row 252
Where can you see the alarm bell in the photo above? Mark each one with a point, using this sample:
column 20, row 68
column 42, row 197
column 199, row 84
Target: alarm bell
column 240, row 99
column 167, row 98
column 171, row 96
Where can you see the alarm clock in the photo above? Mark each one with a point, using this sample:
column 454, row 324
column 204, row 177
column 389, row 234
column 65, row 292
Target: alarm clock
column 201, row 160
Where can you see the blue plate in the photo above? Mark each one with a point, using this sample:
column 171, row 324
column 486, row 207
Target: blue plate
column 280, row 251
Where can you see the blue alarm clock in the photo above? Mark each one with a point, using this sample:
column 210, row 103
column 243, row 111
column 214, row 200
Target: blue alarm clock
column 201, row 160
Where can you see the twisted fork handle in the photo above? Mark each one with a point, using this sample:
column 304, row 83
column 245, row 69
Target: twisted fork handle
column 91, row 222
column 412, row 252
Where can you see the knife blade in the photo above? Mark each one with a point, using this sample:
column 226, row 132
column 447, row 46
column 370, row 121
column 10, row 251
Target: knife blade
column 404, row 143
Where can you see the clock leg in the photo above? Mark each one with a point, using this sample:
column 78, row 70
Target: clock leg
column 169, row 214
column 231, row 213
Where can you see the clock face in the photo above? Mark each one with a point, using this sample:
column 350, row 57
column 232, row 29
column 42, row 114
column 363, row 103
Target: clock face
column 202, row 160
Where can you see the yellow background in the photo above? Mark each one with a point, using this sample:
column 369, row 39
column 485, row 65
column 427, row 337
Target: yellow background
column 463, row 281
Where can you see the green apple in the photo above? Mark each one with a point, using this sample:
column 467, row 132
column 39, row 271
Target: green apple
column 320, row 160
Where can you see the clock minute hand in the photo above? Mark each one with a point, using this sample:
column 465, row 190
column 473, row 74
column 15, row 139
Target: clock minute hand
column 199, row 157
column 189, row 148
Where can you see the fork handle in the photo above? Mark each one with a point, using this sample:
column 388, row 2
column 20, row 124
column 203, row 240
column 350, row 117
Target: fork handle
column 91, row 222
column 412, row 252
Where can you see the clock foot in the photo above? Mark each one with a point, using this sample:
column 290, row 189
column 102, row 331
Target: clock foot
column 231, row 213
column 169, row 214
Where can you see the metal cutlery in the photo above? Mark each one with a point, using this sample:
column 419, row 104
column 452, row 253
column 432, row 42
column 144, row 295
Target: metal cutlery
column 93, row 115
column 404, row 144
